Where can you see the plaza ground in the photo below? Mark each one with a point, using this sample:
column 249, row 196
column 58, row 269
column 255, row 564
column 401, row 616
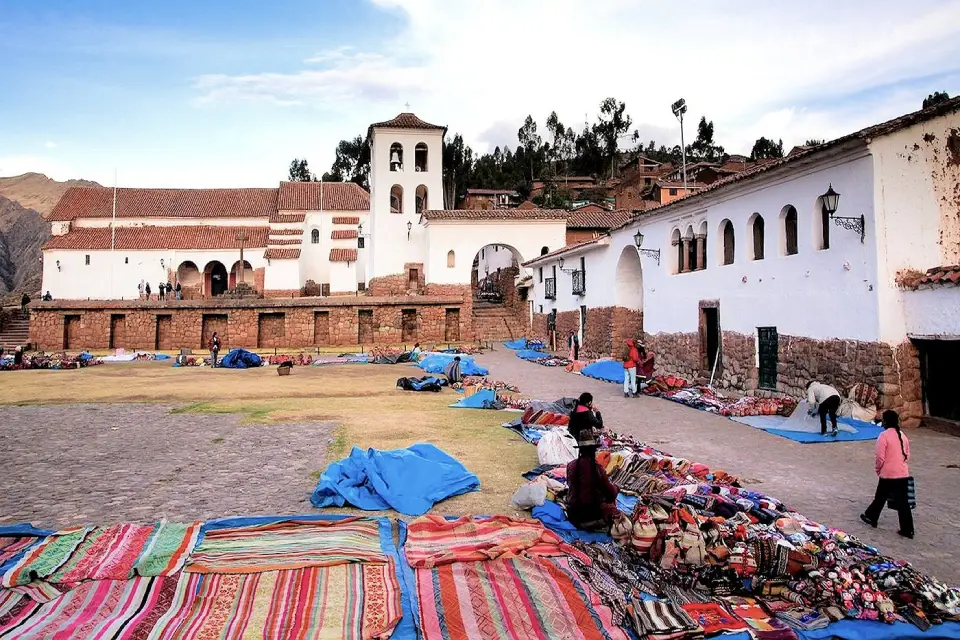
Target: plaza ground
column 142, row 441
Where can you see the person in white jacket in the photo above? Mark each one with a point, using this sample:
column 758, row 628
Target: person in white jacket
column 826, row 400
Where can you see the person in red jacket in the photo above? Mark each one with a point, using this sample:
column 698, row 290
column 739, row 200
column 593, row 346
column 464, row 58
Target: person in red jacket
column 893, row 453
column 592, row 498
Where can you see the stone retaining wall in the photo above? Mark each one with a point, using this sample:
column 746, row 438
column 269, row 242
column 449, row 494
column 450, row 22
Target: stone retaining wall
column 607, row 328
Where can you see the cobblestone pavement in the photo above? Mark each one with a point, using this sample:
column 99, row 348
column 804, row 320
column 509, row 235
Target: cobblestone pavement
column 830, row 483
column 97, row 464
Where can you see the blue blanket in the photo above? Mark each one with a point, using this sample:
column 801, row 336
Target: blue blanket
column 408, row 480
column 482, row 399
column 606, row 370
column 553, row 518
column 437, row 363
column 530, row 354
column 240, row 359
column 516, row 345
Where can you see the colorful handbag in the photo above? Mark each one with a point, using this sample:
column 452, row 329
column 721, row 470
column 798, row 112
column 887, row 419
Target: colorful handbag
column 644, row 531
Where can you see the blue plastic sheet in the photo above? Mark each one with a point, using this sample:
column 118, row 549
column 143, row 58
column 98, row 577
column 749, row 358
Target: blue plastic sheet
column 606, row 370
column 437, row 363
column 553, row 518
column 480, row 400
column 516, row 345
column 530, row 354
column 871, row 630
column 240, row 359
column 408, row 480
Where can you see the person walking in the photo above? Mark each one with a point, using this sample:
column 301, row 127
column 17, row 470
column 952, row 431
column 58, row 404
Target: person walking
column 893, row 485
column 169, row 288
column 162, row 289
column 631, row 358
column 24, row 301
column 573, row 343
column 146, row 290
column 215, row 347
column 179, row 291
column 826, row 400
column 140, row 288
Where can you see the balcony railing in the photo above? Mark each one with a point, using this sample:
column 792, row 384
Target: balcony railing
column 550, row 288
column 579, row 283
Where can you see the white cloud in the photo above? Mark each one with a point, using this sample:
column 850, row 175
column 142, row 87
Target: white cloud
column 753, row 68
column 50, row 145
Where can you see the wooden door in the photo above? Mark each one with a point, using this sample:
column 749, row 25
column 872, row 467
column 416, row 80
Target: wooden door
column 767, row 345
column 118, row 331
column 71, row 331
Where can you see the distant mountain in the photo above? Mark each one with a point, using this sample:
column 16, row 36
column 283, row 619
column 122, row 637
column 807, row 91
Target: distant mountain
column 25, row 201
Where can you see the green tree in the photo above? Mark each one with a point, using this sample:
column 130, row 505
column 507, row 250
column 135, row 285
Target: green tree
column 530, row 142
column 814, row 142
column 935, row 98
column 457, row 167
column 612, row 125
column 764, row 148
column 299, row 171
column 351, row 163
column 704, row 148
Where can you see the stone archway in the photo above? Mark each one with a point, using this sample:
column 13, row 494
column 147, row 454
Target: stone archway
column 215, row 278
column 238, row 274
column 189, row 279
column 627, row 317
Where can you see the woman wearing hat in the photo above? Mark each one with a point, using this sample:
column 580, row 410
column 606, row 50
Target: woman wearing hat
column 592, row 498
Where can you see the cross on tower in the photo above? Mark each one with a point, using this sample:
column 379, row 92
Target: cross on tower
column 407, row 105
column 242, row 238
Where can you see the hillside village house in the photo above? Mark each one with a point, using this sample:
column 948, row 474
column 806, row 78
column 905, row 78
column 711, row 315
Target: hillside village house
column 768, row 279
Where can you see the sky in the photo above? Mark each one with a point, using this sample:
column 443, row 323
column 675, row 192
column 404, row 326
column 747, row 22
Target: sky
column 218, row 93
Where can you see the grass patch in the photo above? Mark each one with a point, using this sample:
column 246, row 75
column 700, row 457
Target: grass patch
column 338, row 447
column 218, row 440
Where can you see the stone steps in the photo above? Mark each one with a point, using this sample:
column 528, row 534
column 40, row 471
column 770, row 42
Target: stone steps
column 16, row 332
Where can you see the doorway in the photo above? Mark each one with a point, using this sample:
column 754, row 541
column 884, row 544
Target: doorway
column 938, row 359
column 71, row 329
column 583, row 323
column 365, row 326
column 408, row 325
column 164, row 333
column 321, row 328
column 118, row 331
column 216, row 278
column 710, row 343
column 451, row 325
column 768, row 342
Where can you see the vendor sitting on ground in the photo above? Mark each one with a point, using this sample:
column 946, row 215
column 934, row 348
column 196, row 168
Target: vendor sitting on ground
column 584, row 418
column 826, row 400
column 453, row 371
column 415, row 352
column 592, row 498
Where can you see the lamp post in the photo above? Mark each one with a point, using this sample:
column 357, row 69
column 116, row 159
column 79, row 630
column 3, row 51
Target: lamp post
column 679, row 108
column 831, row 201
column 409, row 228
column 565, row 270
column 638, row 241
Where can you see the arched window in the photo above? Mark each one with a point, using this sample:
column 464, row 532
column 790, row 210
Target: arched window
column 788, row 235
column 544, row 250
column 678, row 251
column 729, row 246
column 756, row 225
column 315, row 236
column 421, row 199
column 396, row 157
column 821, row 224
column 451, row 259
column 420, row 156
column 702, row 245
column 691, row 248
column 396, row 199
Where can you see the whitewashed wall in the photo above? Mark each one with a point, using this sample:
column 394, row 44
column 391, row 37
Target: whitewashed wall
column 315, row 258
column 343, row 277
column 390, row 246
column 932, row 312
column 493, row 257
column 282, row 275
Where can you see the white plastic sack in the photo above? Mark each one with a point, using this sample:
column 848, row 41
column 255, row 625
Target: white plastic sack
column 799, row 420
column 556, row 446
column 530, row 495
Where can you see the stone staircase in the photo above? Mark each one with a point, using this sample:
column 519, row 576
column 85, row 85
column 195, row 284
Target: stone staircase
column 498, row 322
column 14, row 329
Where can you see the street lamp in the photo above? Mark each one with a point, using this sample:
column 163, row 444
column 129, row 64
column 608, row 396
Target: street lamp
column 831, row 202
column 409, row 228
column 565, row 270
column 679, row 108
column 653, row 253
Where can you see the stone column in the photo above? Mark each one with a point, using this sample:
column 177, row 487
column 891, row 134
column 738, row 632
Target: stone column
column 701, row 251
column 685, row 266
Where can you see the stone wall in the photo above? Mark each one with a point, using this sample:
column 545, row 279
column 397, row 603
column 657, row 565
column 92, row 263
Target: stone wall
column 607, row 328
column 626, row 324
column 282, row 293
column 399, row 284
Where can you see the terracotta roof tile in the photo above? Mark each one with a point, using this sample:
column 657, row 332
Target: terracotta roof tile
column 343, row 255
column 284, row 241
column 354, row 220
column 281, row 254
column 290, row 218
column 496, row 214
column 404, row 121
column 563, row 251
column 343, row 234
column 152, row 237
column 286, row 232
column 337, row 196
column 97, row 202
column 935, row 276
column 597, row 218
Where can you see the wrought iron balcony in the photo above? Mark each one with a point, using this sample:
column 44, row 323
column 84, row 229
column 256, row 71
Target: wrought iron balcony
column 550, row 288
column 579, row 283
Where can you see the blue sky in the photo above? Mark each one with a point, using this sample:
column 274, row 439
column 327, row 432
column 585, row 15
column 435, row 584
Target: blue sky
column 217, row 93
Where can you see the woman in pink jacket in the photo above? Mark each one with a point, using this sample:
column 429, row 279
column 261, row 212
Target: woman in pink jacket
column 893, row 452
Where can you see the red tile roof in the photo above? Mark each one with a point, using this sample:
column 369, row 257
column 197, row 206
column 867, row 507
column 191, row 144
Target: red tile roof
column 404, row 121
column 286, row 232
column 562, row 251
column 281, row 254
column 597, row 218
column 343, row 255
column 354, row 220
column 291, row 218
column 949, row 275
column 154, row 237
column 343, row 234
column 97, row 202
column 496, row 214
column 285, row 241
column 337, row 196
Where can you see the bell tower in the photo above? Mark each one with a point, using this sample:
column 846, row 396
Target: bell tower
column 406, row 178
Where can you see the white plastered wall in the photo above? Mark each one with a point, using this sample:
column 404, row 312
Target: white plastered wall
column 315, row 258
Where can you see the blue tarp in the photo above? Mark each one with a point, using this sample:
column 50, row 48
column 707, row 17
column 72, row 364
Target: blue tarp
column 552, row 516
column 437, row 363
column 607, row 370
column 240, row 359
column 408, row 480
column 530, row 354
column 516, row 345
column 872, row 630
column 480, row 400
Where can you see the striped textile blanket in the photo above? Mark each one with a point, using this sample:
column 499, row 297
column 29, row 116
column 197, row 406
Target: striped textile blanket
column 355, row 601
column 107, row 553
column 511, row 598
column 45, row 558
column 11, row 546
column 434, row 541
column 95, row 610
column 167, row 550
column 290, row 544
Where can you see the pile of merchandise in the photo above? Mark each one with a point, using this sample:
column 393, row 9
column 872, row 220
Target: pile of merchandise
column 482, row 382
column 553, row 361
column 54, row 361
column 300, row 359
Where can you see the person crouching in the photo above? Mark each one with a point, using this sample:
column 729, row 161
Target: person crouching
column 592, row 498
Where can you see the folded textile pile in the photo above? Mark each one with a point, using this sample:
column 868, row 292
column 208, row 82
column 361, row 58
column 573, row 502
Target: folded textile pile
column 299, row 359
column 553, row 361
column 576, row 366
column 54, row 361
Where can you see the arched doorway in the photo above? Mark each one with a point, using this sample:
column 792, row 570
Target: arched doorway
column 495, row 274
column 188, row 277
column 215, row 278
column 628, row 297
column 238, row 274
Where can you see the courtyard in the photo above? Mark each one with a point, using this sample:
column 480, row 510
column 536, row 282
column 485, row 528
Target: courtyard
column 144, row 441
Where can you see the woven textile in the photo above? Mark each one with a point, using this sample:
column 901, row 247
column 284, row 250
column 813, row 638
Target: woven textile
column 45, row 558
column 99, row 609
column 518, row 598
column 11, row 546
column 432, row 540
column 291, row 544
column 168, row 548
column 357, row 600
column 107, row 553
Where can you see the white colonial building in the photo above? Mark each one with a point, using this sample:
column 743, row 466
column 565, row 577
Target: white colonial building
column 782, row 278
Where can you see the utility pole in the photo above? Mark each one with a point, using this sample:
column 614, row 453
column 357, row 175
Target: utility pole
column 679, row 108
